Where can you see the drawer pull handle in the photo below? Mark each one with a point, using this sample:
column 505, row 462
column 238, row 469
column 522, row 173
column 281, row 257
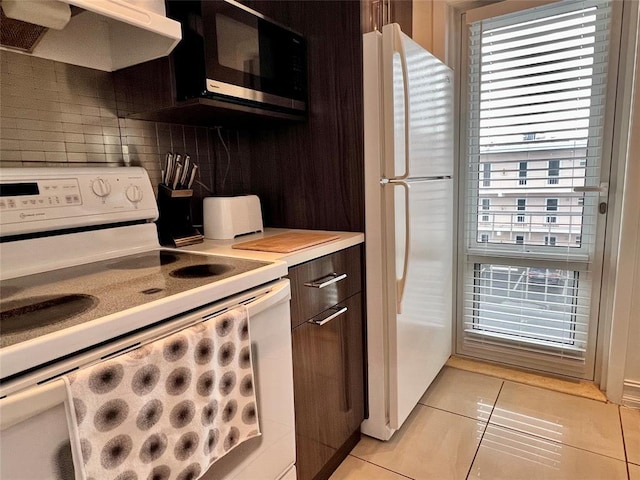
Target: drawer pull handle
column 337, row 311
column 326, row 280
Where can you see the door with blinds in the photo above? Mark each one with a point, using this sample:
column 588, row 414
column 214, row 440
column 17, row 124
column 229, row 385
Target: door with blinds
column 535, row 190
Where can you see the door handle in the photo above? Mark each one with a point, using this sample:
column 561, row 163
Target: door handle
column 400, row 282
column 602, row 189
column 398, row 47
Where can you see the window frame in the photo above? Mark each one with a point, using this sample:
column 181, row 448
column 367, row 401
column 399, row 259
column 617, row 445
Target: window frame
column 579, row 256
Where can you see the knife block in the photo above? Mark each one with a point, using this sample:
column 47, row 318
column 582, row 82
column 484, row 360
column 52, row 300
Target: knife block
column 175, row 227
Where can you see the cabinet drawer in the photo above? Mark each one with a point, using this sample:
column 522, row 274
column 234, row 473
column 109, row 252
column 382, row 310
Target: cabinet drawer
column 321, row 283
column 328, row 383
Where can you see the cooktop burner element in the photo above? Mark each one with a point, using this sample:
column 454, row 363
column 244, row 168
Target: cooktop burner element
column 201, row 271
column 145, row 261
column 17, row 316
column 41, row 303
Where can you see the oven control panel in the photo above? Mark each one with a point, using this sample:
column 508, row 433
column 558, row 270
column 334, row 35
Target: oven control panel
column 43, row 199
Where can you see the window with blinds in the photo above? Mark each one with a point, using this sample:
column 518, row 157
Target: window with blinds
column 535, row 115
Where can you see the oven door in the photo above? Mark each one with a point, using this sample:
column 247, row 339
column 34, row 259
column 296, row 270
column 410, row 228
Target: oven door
column 35, row 435
column 33, row 422
column 251, row 58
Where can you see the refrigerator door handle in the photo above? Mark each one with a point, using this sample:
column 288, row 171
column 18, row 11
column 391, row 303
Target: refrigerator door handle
column 400, row 282
column 398, row 47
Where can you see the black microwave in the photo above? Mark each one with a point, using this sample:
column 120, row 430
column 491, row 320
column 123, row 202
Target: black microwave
column 231, row 52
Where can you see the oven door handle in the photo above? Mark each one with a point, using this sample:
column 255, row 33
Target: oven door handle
column 22, row 406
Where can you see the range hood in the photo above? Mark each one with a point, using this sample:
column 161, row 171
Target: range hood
column 102, row 34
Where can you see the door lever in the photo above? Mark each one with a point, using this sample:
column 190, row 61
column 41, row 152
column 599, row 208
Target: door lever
column 602, row 189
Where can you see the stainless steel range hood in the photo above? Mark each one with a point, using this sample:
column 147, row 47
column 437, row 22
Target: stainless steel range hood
column 102, row 34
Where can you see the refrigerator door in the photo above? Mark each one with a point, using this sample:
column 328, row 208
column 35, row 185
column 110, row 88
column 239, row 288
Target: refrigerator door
column 418, row 255
column 425, row 84
column 408, row 276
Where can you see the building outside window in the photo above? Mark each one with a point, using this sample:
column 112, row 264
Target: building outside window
column 522, row 205
column 550, row 241
column 522, row 173
column 486, row 205
column 519, row 239
column 486, row 174
column 554, row 172
column 552, row 209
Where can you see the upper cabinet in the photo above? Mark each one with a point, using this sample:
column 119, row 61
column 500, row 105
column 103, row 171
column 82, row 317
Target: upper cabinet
column 376, row 13
column 102, row 34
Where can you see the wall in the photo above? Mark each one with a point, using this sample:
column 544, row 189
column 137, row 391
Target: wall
column 623, row 382
column 55, row 114
column 431, row 20
column 631, row 226
column 310, row 175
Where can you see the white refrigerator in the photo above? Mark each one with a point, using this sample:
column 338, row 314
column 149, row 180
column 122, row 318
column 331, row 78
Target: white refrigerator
column 408, row 121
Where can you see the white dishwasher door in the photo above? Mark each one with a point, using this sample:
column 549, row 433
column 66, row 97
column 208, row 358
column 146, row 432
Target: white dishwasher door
column 34, row 436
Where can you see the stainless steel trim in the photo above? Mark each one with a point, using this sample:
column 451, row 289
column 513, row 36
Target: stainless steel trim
column 337, row 312
column 231, row 90
column 259, row 15
column 326, row 280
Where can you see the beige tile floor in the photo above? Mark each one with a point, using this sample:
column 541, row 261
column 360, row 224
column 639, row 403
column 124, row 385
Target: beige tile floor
column 473, row 426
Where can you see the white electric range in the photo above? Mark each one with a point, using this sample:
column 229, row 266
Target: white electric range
column 83, row 278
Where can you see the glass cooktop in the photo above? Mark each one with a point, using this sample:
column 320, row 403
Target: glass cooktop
column 35, row 305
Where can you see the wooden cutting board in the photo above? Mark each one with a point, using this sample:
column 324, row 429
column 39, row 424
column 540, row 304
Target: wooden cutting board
column 286, row 242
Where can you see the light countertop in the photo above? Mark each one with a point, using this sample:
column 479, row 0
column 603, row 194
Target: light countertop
column 224, row 247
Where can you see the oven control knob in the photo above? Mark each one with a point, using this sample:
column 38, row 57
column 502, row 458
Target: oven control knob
column 134, row 193
column 101, row 187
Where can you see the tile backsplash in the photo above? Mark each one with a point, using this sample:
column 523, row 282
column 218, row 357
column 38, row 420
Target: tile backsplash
column 55, row 114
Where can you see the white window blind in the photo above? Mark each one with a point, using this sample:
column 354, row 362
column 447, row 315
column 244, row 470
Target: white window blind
column 535, row 118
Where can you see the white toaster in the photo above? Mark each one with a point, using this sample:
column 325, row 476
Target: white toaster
column 227, row 217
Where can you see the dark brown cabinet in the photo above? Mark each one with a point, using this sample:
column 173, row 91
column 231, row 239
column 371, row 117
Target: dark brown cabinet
column 328, row 361
column 376, row 13
column 148, row 92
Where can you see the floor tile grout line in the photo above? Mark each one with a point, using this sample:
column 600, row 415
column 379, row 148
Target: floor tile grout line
column 455, row 413
column 624, row 444
column 380, row 466
column 486, row 425
column 556, row 442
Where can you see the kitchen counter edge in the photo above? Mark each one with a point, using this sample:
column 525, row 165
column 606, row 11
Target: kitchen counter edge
column 225, row 247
